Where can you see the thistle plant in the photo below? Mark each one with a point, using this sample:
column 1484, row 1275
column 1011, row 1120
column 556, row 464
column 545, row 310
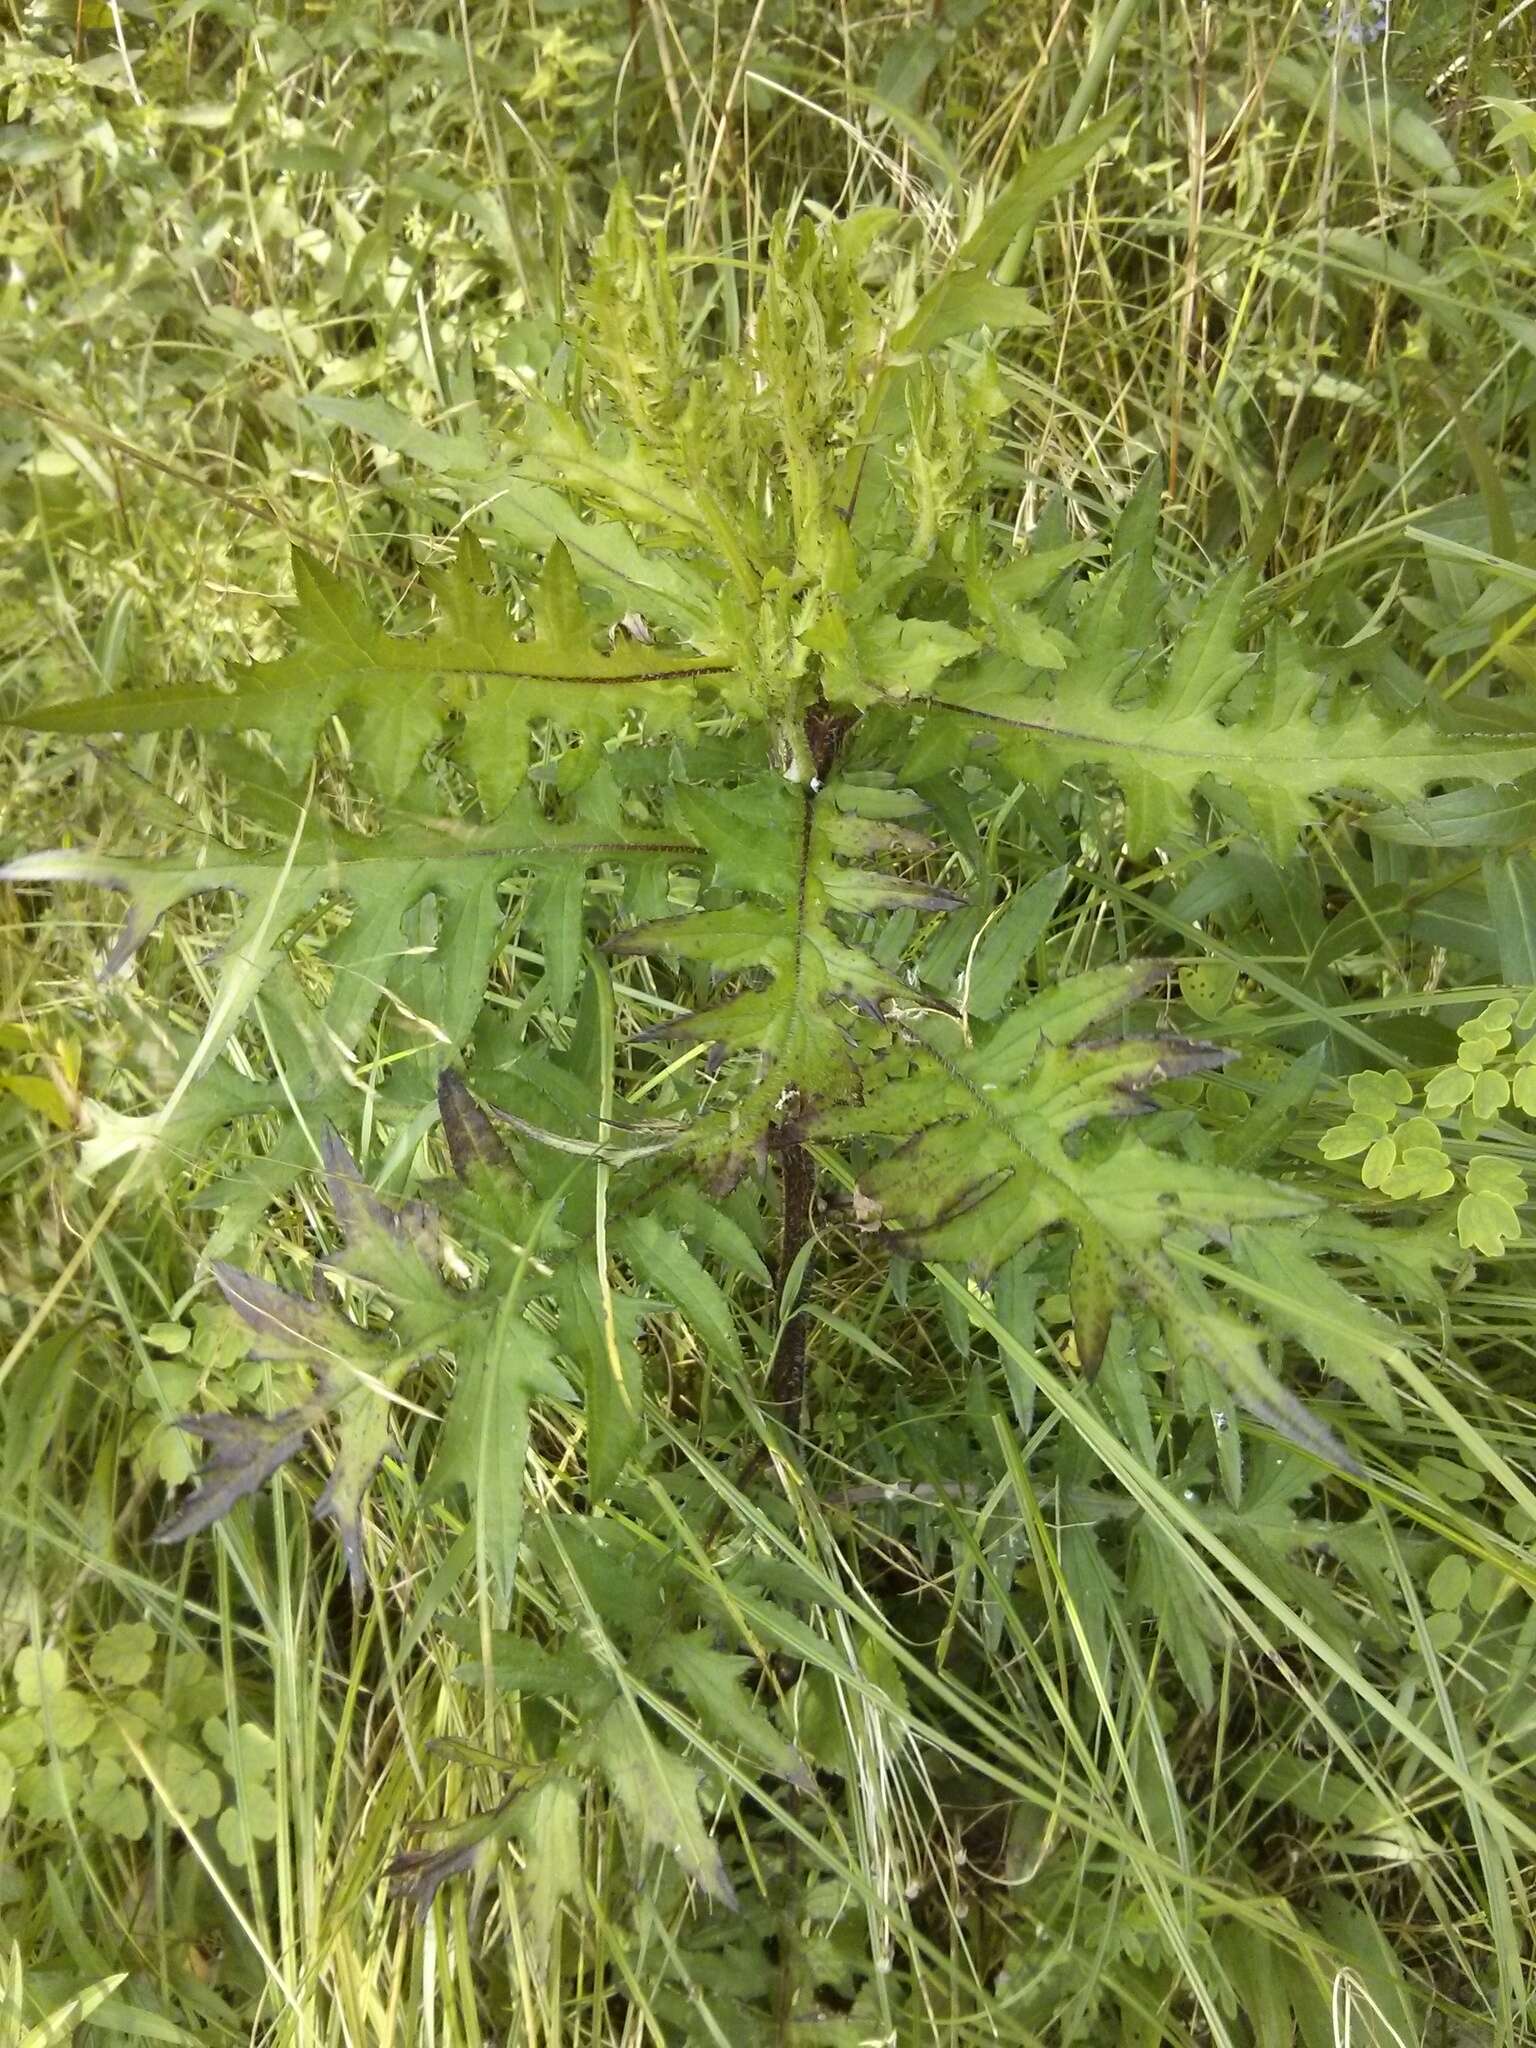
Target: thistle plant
column 725, row 692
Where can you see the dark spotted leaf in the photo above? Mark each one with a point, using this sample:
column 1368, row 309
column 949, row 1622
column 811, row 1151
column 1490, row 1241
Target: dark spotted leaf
column 247, row 1450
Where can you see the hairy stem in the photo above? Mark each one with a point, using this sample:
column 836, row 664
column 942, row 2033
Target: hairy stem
column 797, row 1181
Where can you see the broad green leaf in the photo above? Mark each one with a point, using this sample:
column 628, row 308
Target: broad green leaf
column 1382, row 123
column 246, row 1750
column 555, row 917
column 1449, row 1583
column 612, row 1375
column 49, row 1793
column 1259, row 1973
column 190, row 1788
column 984, row 1165
column 1494, row 817
column 784, row 846
column 691, row 1211
column 1252, row 739
column 484, row 1442
column 1091, row 1291
column 659, row 1796
column 540, row 518
column 1009, row 941
column 910, row 60
column 504, row 1361
column 1376, row 259
column 1067, row 1009
column 1355, row 1342
column 1163, row 1582
column 248, row 1824
column 1208, row 987
column 1383, row 2000
column 1206, row 666
column 115, row 1805
column 520, row 1665
column 443, row 453
column 386, row 879
column 38, row 1674
column 1510, row 880
column 1273, row 1114
column 711, row 1680
column 886, row 657
column 547, row 1821
column 123, row 1654
column 1231, row 1350
column 395, row 1248
column 962, row 302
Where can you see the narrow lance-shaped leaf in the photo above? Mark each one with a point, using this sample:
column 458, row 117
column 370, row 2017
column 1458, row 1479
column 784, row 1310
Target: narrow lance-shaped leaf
column 711, row 1680
column 1044, row 173
column 1231, row 1350
column 612, row 1375
column 547, row 1821
column 660, row 1260
column 477, row 1153
column 483, row 1447
column 383, row 880
column 1091, row 1292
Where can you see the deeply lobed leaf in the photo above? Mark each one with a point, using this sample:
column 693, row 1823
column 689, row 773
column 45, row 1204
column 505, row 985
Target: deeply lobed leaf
column 477, row 678
column 1247, row 731
column 1006, row 1139
column 791, row 847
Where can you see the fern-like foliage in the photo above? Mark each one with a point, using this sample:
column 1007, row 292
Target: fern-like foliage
column 346, row 944
column 1102, row 674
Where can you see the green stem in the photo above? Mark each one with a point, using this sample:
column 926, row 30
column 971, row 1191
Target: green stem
column 1089, row 86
